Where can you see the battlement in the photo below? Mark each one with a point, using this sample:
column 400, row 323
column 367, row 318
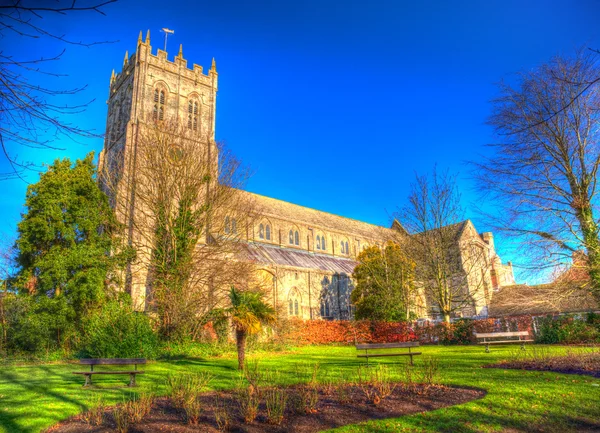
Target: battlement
column 161, row 60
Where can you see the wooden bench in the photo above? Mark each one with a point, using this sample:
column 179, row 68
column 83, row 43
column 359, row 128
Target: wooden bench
column 110, row 361
column 385, row 346
column 519, row 337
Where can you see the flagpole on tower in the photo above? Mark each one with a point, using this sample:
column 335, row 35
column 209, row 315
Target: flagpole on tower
column 167, row 32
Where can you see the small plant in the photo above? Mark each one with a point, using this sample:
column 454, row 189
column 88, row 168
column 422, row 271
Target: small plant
column 253, row 374
column 192, row 407
column 407, row 373
column 221, row 415
column 342, row 390
column 307, row 399
column 183, row 387
column 430, row 371
column 139, row 407
column 363, row 380
column 121, row 416
column 275, row 400
column 384, row 387
column 95, row 414
column 248, row 401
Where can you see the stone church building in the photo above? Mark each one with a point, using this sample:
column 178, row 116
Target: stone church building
column 307, row 255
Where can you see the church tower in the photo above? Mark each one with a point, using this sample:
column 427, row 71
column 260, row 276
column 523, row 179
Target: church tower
column 150, row 88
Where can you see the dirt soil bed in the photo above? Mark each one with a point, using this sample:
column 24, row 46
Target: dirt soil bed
column 330, row 412
column 587, row 364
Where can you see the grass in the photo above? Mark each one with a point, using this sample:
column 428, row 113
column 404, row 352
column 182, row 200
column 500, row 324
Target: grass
column 34, row 397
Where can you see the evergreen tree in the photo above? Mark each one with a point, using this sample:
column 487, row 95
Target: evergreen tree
column 64, row 244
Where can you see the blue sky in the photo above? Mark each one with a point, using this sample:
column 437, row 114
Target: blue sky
column 333, row 104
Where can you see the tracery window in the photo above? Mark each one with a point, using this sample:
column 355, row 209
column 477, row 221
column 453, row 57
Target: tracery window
column 294, row 303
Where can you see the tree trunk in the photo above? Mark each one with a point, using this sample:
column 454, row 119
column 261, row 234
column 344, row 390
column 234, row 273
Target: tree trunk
column 447, row 318
column 590, row 230
column 240, row 336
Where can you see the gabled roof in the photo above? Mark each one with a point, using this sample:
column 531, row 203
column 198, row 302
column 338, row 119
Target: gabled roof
column 295, row 213
column 269, row 255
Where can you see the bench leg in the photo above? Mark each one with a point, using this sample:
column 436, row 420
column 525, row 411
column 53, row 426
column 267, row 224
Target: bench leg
column 132, row 379
column 487, row 348
column 522, row 346
column 88, row 380
column 411, row 360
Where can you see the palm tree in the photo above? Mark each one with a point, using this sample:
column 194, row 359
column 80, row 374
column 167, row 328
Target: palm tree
column 248, row 313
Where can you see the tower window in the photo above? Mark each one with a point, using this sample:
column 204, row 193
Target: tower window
column 192, row 122
column 158, row 111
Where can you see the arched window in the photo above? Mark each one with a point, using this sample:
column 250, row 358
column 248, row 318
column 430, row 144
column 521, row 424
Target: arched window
column 323, row 247
column 318, row 242
column 294, row 303
column 297, row 238
column 347, row 249
column 261, row 231
column 268, row 230
column 343, row 248
column 233, row 226
column 158, row 111
column 227, row 225
column 291, row 237
column 325, row 312
column 195, row 127
column 192, row 122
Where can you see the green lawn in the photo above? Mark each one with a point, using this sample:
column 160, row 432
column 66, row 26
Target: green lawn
column 34, row 397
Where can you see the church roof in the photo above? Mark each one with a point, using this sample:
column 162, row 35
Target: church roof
column 274, row 255
column 299, row 214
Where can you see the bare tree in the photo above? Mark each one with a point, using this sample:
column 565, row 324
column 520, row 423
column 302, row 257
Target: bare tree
column 187, row 221
column 543, row 170
column 31, row 113
column 451, row 269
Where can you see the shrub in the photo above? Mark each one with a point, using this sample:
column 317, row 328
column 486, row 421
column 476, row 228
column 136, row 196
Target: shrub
column 121, row 416
column 221, row 415
column 567, row 330
column 275, row 402
column 192, row 407
column 38, row 325
column 248, row 401
column 95, row 414
column 116, row 331
column 182, row 388
column 139, row 407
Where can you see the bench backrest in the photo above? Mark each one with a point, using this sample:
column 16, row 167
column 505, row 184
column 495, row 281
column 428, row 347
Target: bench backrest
column 386, row 345
column 112, row 361
column 503, row 334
